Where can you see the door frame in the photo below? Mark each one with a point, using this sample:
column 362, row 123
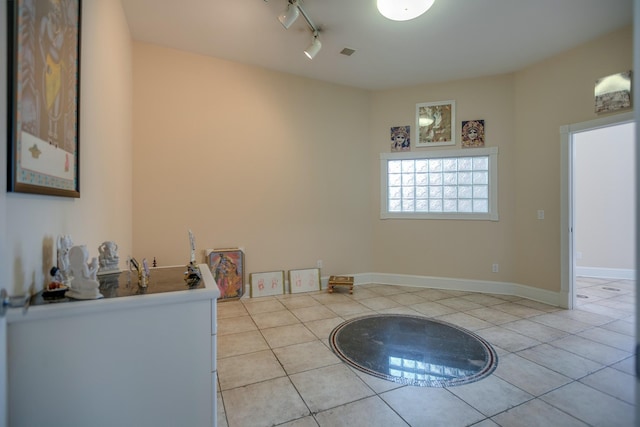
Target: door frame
column 567, row 202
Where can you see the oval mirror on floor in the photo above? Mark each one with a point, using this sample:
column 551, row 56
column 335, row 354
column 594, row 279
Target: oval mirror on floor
column 413, row 350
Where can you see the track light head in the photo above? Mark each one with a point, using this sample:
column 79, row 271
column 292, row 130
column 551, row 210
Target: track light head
column 314, row 47
column 289, row 16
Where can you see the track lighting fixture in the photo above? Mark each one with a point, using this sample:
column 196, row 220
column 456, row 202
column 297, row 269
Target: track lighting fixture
column 403, row 10
column 314, row 47
column 289, row 16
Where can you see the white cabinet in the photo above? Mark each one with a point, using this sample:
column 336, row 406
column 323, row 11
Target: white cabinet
column 146, row 360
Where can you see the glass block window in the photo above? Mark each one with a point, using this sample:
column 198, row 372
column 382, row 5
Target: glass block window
column 452, row 184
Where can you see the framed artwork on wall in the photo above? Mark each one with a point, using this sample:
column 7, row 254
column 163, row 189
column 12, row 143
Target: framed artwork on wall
column 305, row 280
column 472, row 133
column 613, row 92
column 401, row 138
column 267, row 283
column 435, row 123
column 44, row 86
column 227, row 268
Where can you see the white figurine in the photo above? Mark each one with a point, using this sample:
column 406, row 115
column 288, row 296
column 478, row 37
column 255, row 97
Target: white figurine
column 64, row 245
column 84, row 284
column 108, row 257
column 192, row 246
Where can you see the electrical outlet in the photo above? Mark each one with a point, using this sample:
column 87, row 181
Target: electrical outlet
column 495, row 268
column 540, row 214
column 319, row 263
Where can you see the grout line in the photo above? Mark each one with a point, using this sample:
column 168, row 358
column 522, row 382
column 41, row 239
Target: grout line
column 322, row 300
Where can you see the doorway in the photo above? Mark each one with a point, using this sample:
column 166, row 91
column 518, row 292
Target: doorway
column 579, row 143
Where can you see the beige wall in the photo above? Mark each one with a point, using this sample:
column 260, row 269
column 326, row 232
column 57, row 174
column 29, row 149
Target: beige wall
column 548, row 95
column 103, row 212
column 282, row 166
column 523, row 113
column 288, row 167
column 448, row 248
column 245, row 157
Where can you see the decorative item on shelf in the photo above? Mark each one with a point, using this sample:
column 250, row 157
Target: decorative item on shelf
column 84, row 284
column 142, row 281
column 108, row 258
column 56, row 289
column 146, row 274
column 64, row 245
column 227, row 268
column 192, row 276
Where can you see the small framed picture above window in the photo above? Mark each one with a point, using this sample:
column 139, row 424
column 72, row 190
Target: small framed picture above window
column 401, row 138
column 473, row 133
column 435, row 124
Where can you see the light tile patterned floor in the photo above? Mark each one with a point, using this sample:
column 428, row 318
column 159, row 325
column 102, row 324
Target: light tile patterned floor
column 556, row 367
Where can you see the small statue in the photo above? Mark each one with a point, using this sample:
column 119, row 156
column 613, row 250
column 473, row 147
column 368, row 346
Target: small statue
column 108, row 257
column 64, row 245
column 84, row 284
column 146, row 273
column 143, row 276
column 192, row 245
column 192, row 276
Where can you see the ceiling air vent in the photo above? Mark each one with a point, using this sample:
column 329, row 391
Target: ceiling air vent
column 347, row 51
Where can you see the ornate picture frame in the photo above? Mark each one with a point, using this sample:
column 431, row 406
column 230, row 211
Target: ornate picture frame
column 227, row 269
column 266, row 283
column 472, row 134
column 400, row 138
column 304, row 280
column 44, row 96
column 435, row 124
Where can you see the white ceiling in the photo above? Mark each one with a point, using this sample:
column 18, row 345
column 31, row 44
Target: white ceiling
column 455, row 39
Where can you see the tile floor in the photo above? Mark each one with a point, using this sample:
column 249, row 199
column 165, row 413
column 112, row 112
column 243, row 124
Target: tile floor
column 556, row 367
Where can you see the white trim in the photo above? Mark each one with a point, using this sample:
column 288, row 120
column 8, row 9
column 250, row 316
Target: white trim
column 606, row 273
column 601, row 122
column 567, row 263
column 468, row 285
column 491, row 152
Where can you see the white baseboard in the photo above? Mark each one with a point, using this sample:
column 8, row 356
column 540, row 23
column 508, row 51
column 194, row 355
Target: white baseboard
column 557, row 299
column 606, row 273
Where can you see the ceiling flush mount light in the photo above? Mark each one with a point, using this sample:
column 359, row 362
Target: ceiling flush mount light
column 403, row 10
column 314, row 47
column 289, row 16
